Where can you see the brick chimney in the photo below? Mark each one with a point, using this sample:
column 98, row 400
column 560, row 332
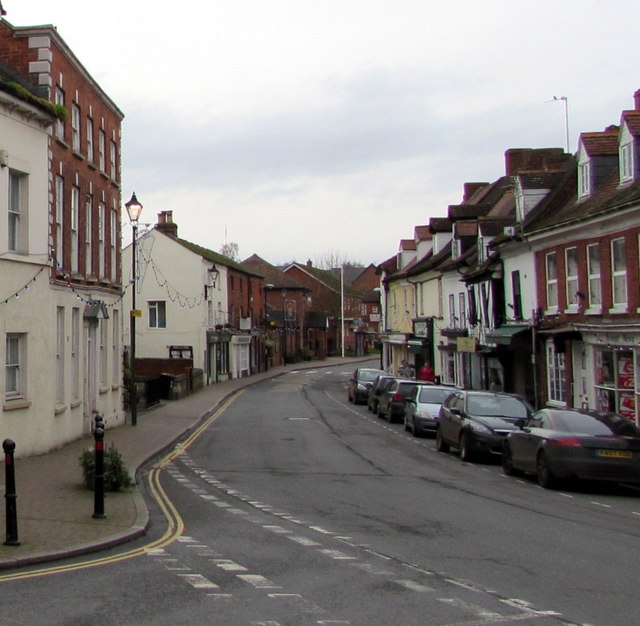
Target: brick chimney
column 165, row 224
column 636, row 99
column 469, row 189
column 523, row 159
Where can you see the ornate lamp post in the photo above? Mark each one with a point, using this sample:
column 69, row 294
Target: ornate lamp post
column 134, row 208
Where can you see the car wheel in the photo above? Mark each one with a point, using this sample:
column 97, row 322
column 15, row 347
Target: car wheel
column 406, row 424
column 546, row 478
column 380, row 412
column 441, row 444
column 414, row 430
column 466, row 454
column 507, row 463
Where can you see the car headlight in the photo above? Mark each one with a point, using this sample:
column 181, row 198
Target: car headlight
column 476, row 427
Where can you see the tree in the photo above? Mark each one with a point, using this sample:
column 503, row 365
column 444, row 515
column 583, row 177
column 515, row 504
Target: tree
column 333, row 259
column 231, row 250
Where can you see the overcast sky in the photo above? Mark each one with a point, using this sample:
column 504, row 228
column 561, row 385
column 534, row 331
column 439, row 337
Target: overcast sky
column 301, row 129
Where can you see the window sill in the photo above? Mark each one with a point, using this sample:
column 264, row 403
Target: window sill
column 618, row 310
column 76, row 403
column 572, row 309
column 13, row 405
column 594, row 311
column 104, row 389
column 60, row 408
column 552, row 311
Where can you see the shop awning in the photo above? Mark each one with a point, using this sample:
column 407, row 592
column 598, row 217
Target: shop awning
column 504, row 334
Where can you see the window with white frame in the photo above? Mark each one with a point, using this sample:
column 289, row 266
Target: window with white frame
column 462, row 310
column 619, row 273
column 101, row 149
column 556, row 374
column 455, row 248
column 157, row 314
column 59, row 100
column 626, row 162
column 75, row 352
column 113, row 243
column 75, row 127
column 17, row 209
column 14, row 378
column 60, row 343
column 112, row 160
column 593, row 275
column 551, row 267
column 452, row 311
column 90, row 148
column 584, row 179
column 571, row 276
column 60, row 220
column 88, row 236
column 75, row 212
column 115, row 346
column 101, row 218
column 103, row 338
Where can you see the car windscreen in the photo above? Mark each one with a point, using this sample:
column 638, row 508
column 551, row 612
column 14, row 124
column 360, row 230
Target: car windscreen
column 496, row 406
column 605, row 425
column 368, row 376
column 429, row 395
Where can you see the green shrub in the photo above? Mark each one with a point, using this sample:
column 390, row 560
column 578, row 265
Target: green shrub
column 116, row 475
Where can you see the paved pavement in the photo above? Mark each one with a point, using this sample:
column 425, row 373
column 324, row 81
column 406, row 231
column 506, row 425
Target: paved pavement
column 55, row 509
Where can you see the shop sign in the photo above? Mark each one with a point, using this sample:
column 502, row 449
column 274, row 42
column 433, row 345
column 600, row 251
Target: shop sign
column 466, row 344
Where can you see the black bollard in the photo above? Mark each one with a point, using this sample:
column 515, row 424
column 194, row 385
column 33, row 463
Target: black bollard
column 98, row 487
column 9, row 447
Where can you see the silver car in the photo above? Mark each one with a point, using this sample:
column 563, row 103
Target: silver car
column 422, row 408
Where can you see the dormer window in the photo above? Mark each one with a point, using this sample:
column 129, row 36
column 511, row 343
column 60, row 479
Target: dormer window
column 584, row 179
column 481, row 250
column 455, row 248
column 626, row 162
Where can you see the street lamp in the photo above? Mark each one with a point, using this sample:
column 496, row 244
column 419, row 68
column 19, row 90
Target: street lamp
column 134, row 208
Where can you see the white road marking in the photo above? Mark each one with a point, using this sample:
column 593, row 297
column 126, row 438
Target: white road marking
column 257, row 581
column 228, row 565
column 337, row 555
column 412, row 585
column 198, row 581
column 303, row 541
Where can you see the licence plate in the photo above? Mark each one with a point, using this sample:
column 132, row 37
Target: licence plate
column 615, row 454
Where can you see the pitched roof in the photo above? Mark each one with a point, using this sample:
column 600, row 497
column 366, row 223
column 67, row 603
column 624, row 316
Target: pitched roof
column 632, row 120
column 602, row 143
column 270, row 273
column 212, row 256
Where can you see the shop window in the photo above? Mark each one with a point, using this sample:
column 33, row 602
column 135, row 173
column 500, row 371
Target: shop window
column 615, row 385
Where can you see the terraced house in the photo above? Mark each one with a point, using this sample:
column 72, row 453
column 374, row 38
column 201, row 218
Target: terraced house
column 537, row 290
column 60, row 277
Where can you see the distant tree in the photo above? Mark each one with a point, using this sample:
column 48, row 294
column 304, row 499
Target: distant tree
column 231, row 250
column 333, row 259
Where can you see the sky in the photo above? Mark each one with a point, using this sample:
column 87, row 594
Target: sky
column 330, row 129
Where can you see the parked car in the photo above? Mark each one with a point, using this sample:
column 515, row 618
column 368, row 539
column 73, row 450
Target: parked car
column 379, row 384
column 476, row 422
column 422, row 408
column 392, row 399
column 359, row 383
column 557, row 444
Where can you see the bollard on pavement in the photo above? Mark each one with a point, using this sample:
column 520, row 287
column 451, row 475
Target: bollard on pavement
column 9, row 447
column 98, row 487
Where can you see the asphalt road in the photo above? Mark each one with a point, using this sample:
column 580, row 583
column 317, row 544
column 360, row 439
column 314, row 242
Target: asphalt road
column 295, row 507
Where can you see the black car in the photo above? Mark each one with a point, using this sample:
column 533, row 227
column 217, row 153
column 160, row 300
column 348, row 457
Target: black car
column 476, row 422
column 422, row 408
column 381, row 382
column 359, row 383
column 557, row 444
column 392, row 399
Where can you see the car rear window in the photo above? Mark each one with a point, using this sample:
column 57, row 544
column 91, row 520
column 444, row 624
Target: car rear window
column 606, row 424
column 433, row 396
column 497, row 406
column 405, row 388
column 368, row 375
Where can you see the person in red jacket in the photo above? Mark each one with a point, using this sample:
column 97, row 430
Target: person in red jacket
column 426, row 373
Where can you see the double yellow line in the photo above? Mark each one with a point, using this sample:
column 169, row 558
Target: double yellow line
column 175, row 525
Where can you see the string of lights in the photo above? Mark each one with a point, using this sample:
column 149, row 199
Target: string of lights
column 173, row 294
column 53, row 262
